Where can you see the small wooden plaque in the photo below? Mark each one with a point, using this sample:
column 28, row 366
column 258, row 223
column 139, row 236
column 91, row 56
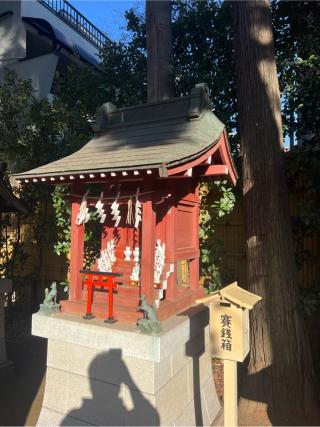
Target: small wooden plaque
column 229, row 331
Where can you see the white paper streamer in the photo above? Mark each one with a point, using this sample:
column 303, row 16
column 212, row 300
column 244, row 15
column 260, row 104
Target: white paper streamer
column 83, row 215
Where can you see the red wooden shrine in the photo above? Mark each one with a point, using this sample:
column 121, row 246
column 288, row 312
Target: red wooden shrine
column 165, row 150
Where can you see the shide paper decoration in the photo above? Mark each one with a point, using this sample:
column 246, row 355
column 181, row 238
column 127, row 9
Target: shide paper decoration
column 159, row 261
column 115, row 211
column 137, row 214
column 83, row 215
column 100, row 211
column 131, row 219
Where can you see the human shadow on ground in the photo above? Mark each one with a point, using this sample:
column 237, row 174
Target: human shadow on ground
column 116, row 399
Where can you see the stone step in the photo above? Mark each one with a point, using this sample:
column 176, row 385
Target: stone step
column 126, row 306
column 122, row 313
column 121, row 263
column 122, row 298
column 129, row 290
column 122, row 269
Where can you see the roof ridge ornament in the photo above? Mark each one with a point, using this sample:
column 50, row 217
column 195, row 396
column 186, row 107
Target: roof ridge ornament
column 199, row 101
column 102, row 116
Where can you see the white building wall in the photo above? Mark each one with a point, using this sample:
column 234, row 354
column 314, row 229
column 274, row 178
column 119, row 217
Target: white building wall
column 12, row 33
column 40, row 68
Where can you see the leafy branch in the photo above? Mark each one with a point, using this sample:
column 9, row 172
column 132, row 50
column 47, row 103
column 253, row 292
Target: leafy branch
column 217, row 200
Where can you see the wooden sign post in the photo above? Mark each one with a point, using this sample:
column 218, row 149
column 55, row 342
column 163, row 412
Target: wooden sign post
column 230, row 340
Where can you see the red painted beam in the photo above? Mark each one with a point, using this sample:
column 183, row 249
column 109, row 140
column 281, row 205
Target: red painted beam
column 213, row 170
column 226, row 158
column 226, row 169
column 196, row 162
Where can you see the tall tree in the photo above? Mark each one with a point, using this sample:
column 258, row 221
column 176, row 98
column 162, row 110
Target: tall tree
column 279, row 370
column 159, row 50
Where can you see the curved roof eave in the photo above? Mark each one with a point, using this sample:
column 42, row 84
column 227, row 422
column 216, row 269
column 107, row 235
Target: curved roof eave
column 148, row 136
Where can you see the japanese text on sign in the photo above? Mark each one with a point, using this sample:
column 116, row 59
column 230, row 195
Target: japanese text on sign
column 225, row 335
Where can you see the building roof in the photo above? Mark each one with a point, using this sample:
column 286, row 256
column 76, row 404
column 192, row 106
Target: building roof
column 52, row 32
column 148, row 136
column 234, row 295
column 8, row 201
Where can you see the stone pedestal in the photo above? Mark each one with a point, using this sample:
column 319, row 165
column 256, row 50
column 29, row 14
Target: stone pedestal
column 6, row 366
column 101, row 374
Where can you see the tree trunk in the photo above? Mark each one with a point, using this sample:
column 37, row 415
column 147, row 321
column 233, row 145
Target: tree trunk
column 159, row 50
column 280, row 376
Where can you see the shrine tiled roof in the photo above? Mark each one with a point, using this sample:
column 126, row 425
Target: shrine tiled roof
column 148, row 136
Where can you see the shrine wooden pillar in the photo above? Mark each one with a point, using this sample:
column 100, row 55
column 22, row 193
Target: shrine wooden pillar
column 76, row 247
column 194, row 263
column 148, row 243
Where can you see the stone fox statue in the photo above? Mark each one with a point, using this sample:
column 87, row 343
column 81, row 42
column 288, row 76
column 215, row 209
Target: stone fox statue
column 150, row 323
column 51, row 296
column 50, row 305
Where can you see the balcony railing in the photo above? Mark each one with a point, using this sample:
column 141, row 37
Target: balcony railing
column 67, row 13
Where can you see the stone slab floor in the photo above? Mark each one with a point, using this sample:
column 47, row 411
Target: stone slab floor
column 21, row 393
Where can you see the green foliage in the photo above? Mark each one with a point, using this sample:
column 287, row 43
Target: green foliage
column 34, row 133
column 31, row 131
column 65, row 285
column 202, row 52
column 303, row 176
column 92, row 239
column 62, row 212
column 124, row 73
column 298, row 50
column 217, row 200
column 19, row 142
column 202, row 38
column 226, row 203
column 12, row 255
column 297, row 35
column 15, row 118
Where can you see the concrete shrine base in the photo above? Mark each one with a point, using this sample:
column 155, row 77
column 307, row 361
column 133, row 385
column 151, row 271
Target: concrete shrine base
column 100, row 374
